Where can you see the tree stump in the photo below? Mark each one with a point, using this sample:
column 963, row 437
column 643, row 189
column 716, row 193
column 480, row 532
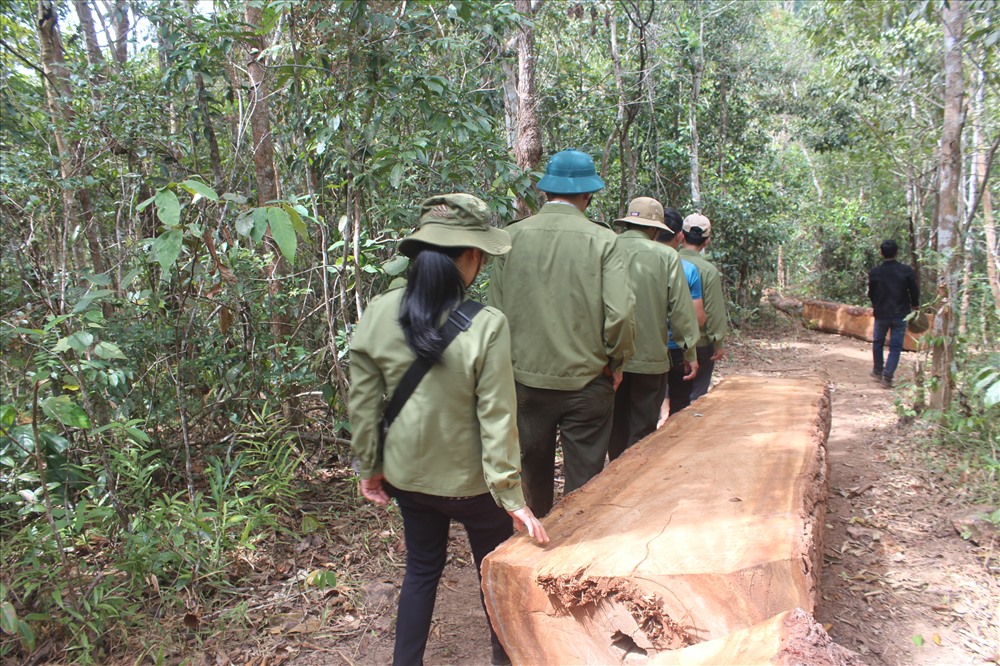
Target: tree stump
column 711, row 525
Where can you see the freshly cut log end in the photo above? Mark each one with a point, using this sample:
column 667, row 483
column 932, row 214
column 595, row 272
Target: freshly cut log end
column 710, row 525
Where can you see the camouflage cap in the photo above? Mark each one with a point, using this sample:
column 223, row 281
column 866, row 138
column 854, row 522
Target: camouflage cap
column 456, row 220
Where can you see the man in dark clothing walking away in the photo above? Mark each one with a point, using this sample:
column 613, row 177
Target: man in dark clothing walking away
column 892, row 288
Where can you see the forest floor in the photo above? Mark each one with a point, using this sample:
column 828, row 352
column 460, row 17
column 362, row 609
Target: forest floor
column 900, row 584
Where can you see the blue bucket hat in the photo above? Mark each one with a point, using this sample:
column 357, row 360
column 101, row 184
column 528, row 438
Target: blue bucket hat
column 570, row 172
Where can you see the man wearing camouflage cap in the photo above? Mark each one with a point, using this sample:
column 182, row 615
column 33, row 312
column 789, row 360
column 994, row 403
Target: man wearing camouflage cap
column 662, row 302
column 565, row 292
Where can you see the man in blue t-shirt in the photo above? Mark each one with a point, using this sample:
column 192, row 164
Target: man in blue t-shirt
column 679, row 389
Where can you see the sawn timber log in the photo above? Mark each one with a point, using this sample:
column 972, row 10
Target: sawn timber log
column 709, row 526
column 852, row 320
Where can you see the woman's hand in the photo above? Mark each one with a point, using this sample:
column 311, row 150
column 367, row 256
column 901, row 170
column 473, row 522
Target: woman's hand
column 373, row 489
column 524, row 518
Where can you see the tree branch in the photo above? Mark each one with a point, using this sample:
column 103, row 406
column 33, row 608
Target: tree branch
column 14, row 52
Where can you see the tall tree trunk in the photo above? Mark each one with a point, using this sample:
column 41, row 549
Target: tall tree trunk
column 982, row 157
column 94, row 55
column 120, row 47
column 949, row 241
column 624, row 120
column 697, row 60
column 267, row 178
column 524, row 133
column 77, row 208
column 992, row 253
column 724, row 129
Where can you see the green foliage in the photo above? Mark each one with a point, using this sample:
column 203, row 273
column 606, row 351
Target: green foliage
column 86, row 580
column 969, row 429
column 985, row 384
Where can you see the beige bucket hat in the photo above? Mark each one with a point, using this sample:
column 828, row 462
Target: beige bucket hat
column 456, row 220
column 646, row 212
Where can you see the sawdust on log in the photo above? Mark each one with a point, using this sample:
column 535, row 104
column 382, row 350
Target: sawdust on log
column 575, row 591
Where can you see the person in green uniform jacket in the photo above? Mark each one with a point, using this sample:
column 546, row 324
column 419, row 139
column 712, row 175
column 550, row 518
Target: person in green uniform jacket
column 697, row 236
column 679, row 378
column 662, row 303
column 564, row 289
column 452, row 452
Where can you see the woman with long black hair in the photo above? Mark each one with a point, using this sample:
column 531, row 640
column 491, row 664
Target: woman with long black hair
column 451, row 453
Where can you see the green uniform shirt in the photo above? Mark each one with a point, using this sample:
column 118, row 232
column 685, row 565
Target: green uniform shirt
column 456, row 436
column 565, row 291
column 716, row 326
column 661, row 294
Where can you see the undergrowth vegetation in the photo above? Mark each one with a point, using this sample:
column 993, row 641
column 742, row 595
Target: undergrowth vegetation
column 968, row 432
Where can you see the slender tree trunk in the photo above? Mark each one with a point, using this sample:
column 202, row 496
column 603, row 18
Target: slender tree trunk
column 812, row 171
column 626, row 184
column 724, row 129
column 94, row 55
column 948, row 228
column 697, row 60
column 982, row 156
column 524, row 131
column 992, row 254
column 77, row 208
column 122, row 27
column 267, row 178
column 976, row 173
column 528, row 150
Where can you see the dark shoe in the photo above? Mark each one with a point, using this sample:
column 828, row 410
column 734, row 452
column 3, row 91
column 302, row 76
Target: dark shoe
column 887, row 382
column 877, row 374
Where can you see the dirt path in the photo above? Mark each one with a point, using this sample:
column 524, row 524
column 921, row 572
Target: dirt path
column 900, row 586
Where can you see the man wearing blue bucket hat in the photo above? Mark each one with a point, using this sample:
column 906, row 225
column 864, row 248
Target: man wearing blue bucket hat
column 565, row 292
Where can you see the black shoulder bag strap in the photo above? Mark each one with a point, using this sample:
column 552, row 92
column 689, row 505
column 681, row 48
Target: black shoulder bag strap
column 459, row 320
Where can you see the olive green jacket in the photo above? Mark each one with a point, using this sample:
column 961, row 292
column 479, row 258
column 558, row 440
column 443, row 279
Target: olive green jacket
column 564, row 289
column 716, row 326
column 662, row 302
column 456, row 436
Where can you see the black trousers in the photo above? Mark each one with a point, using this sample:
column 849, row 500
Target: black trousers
column 583, row 421
column 678, row 390
column 703, row 380
column 426, row 522
column 637, row 409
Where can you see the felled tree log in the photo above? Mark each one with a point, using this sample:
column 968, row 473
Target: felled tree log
column 785, row 304
column 708, row 526
column 851, row 320
column 858, row 322
column 792, row 638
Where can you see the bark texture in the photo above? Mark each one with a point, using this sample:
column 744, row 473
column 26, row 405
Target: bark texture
column 708, row 526
column 949, row 240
